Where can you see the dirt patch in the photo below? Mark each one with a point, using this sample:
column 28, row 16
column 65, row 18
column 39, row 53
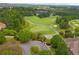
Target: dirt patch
column 10, row 48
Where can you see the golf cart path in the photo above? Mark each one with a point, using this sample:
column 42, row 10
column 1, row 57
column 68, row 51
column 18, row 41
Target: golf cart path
column 26, row 46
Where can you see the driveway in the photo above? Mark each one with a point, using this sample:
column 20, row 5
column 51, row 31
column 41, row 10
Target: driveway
column 26, row 46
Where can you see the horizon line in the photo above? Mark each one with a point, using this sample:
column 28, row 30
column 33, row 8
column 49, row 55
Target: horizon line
column 45, row 3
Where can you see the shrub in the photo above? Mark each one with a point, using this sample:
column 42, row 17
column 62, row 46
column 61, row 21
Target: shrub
column 77, row 32
column 9, row 32
column 11, row 51
column 52, row 51
column 34, row 36
column 34, row 50
column 62, row 34
column 48, row 41
column 44, row 52
column 8, row 52
column 2, row 38
column 68, row 34
column 58, row 43
column 24, row 36
column 37, row 36
column 41, row 38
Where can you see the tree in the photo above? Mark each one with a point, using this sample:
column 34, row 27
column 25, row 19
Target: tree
column 35, row 50
column 60, row 46
column 24, row 36
column 12, row 18
column 68, row 34
column 76, row 32
column 45, row 52
column 63, row 24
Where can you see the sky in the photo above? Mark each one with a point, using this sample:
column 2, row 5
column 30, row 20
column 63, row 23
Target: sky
column 76, row 2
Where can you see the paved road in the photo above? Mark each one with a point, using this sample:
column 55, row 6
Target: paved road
column 26, row 46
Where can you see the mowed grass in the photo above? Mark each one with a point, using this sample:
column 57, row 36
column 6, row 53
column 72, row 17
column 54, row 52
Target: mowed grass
column 74, row 23
column 42, row 29
column 45, row 21
column 42, row 25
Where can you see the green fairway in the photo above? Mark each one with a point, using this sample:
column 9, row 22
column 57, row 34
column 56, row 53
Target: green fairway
column 42, row 25
column 37, row 20
column 42, row 29
column 74, row 23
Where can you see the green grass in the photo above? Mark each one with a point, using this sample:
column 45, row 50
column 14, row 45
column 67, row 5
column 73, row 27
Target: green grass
column 42, row 29
column 37, row 20
column 42, row 25
column 74, row 23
